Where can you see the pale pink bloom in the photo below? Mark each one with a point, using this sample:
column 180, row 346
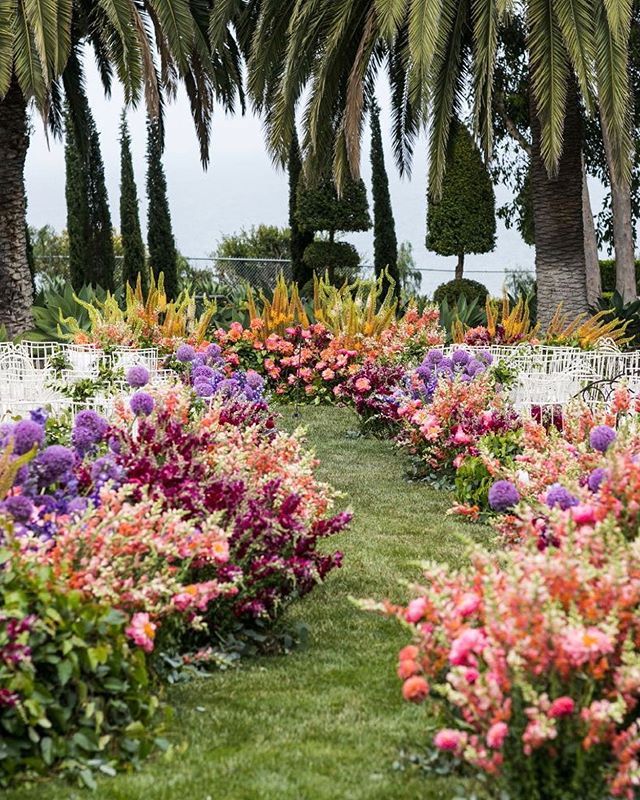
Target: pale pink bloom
column 496, row 735
column 415, row 610
column 583, row 514
column 448, row 739
column 471, row 641
column 583, row 644
column 460, row 437
column 142, row 631
column 468, row 604
column 328, row 374
column 363, row 384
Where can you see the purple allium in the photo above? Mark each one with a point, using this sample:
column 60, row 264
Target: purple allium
column 595, row 479
column 445, row 365
column 27, row 434
column 6, row 432
column 503, row 495
column 229, row 387
column 39, row 415
column 203, row 389
column 104, row 469
column 92, row 422
column 460, row 358
column 254, row 380
column 213, row 352
column 202, row 372
column 20, row 507
column 558, row 496
column 142, row 404
column 435, row 356
column 78, row 505
column 474, row 367
column 55, row 462
column 185, row 353
column 83, row 440
column 485, row 356
column 602, row 437
column 138, row 376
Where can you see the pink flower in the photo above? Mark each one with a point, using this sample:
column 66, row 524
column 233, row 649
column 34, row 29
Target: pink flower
column 468, row 604
column 448, row 739
column 583, row 515
column 496, row 735
column 582, row 644
column 142, row 631
column 410, row 652
column 407, row 668
column 471, row 641
column 415, row 610
column 415, row 689
column 363, row 384
column 328, row 374
column 471, row 675
column 562, row 707
column 460, row 437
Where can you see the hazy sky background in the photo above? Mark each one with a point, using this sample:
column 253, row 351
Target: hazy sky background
column 241, row 188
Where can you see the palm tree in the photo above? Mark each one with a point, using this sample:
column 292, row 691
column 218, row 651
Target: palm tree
column 328, row 53
column 150, row 45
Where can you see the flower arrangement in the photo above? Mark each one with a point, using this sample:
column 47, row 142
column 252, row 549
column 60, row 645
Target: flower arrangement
column 534, row 663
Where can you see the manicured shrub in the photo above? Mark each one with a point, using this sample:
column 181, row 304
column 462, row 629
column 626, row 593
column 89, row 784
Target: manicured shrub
column 331, row 257
column 608, row 274
column 163, row 256
column 385, row 242
column 453, row 290
column 74, row 693
column 134, row 256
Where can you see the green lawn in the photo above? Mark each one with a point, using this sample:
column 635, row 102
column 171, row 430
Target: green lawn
column 327, row 721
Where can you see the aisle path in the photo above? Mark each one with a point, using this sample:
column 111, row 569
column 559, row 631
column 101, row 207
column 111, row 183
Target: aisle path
column 326, row 722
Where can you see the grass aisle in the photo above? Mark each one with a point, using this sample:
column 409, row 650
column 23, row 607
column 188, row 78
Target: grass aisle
column 325, row 722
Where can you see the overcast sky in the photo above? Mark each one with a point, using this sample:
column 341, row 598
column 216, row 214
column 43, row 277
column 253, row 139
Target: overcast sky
column 241, row 188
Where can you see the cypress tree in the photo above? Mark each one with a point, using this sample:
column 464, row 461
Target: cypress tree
column 463, row 219
column 91, row 254
column 163, row 256
column 301, row 237
column 385, row 243
column 133, row 262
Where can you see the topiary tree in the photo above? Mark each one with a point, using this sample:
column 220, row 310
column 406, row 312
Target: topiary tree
column 385, row 243
column 463, row 219
column 134, row 257
column 300, row 237
column 163, row 256
column 91, row 254
column 321, row 209
column 453, row 290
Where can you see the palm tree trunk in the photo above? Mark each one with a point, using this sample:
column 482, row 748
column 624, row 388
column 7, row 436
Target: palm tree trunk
column 594, row 279
column 557, row 209
column 622, row 225
column 16, row 293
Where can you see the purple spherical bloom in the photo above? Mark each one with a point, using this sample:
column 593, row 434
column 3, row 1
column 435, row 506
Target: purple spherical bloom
column 78, row 505
column 142, row 404
column 203, row 389
column 138, row 376
column 485, row 356
column 39, row 415
column 602, row 437
column 460, row 358
column 202, row 372
column 213, row 352
column 185, row 353
column 434, row 356
column 6, row 432
column 20, row 507
column 229, row 387
column 27, row 434
column 254, row 380
column 93, row 423
column 55, row 462
column 474, row 367
column 503, row 495
column 558, row 496
column 596, row 478
column 104, row 469
column 83, row 440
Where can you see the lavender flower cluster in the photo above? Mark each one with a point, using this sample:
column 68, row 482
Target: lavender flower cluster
column 208, row 378
column 460, row 364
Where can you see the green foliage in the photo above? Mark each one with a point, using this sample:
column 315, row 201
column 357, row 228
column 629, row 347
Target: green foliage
column 524, row 208
column 300, row 238
column 339, row 259
column 462, row 219
column 56, row 303
column 163, row 257
column 608, row 274
column 468, row 312
column 260, row 241
column 321, row 209
column 91, row 252
column 615, row 308
column 385, row 242
column 81, row 699
column 473, row 479
column 453, row 290
column 134, row 261
column 410, row 276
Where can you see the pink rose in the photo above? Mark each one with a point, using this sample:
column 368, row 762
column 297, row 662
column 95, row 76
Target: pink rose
column 497, row 734
column 415, row 610
column 471, row 641
column 448, row 739
column 562, row 707
column 583, row 515
column 468, row 604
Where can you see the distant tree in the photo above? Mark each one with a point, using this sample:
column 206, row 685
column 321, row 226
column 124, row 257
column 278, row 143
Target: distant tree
column 91, row 253
column 163, row 256
column 385, row 242
column 134, row 261
column 321, row 209
column 301, row 237
column 410, row 277
column 463, row 219
column 259, row 241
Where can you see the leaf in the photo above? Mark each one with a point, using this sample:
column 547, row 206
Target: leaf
column 65, row 670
